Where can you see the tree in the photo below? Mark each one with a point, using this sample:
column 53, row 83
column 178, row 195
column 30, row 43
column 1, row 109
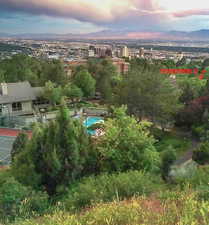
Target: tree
column 25, row 68
column 85, row 82
column 52, row 93
column 193, row 112
column 19, row 145
column 55, row 155
column 2, row 76
column 147, row 93
column 105, row 74
column 54, row 71
column 73, row 92
column 105, row 77
column 205, row 63
column 181, row 62
column 127, row 145
column 201, row 154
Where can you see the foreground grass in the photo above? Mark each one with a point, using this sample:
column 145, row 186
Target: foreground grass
column 168, row 208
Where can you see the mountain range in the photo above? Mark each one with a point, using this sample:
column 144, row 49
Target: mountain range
column 201, row 35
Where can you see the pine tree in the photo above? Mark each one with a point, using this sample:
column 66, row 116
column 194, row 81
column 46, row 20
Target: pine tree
column 19, row 145
column 57, row 152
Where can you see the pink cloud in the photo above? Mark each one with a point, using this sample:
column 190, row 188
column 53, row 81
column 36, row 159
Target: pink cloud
column 191, row 12
column 91, row 11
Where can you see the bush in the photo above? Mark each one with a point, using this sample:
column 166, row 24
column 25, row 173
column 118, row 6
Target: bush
column 18, row 201
column 198, row 180
column 168, row 157
column 198, row 131
column 106, row 188
column 157, row 133
column 201, row 154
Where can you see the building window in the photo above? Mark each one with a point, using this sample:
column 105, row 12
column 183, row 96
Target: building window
column 17, row 106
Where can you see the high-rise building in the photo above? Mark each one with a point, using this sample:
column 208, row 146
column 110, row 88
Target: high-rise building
column 91, row 53
column 124, row 51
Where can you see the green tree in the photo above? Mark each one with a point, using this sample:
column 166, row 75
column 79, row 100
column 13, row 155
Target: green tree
column 25, row 68
column 85, row 82
column 55, row 155
column 105, row 74
column 147, row 93
column 73, row 92
column 205, row 63
column 201, row 154
column 2, row 76
column 52, row 93
column 19, row 145
column 127, row 145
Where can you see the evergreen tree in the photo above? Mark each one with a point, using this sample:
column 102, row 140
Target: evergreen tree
column 19, row 145
column 56, row 153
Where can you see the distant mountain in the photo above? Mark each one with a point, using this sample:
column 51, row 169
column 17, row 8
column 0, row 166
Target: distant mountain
column 117, row 34
column 200, row 34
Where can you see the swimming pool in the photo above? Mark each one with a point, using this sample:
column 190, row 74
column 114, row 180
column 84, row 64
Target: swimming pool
column 90, row 121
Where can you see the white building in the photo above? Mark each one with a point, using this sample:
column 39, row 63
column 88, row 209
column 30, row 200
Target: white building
column 124, row 51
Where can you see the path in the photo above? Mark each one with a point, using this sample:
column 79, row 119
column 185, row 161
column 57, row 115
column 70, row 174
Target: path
column 188, row 154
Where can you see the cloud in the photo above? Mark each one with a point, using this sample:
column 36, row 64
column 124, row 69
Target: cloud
column 194, row 12
column 119, row 14
column 82, row 10
column 93, row 11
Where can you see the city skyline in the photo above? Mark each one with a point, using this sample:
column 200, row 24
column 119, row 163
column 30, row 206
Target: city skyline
column 85, row 16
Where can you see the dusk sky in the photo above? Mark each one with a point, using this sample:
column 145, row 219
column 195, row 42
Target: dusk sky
column 84, row 16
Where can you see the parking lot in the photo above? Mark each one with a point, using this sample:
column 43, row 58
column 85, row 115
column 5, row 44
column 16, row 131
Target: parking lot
column 5, row 148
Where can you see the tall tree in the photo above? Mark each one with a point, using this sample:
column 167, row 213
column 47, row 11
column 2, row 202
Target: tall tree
column 19, row 145
column 85, row 82
column 56, row 154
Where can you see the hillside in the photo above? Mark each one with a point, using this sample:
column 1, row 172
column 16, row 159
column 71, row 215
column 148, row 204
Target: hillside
column 169, row 208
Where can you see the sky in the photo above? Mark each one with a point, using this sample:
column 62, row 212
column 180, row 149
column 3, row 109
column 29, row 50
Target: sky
column 85, row 16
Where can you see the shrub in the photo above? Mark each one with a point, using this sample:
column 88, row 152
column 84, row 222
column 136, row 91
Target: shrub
column 18, row 201
column 168, row 157
column 198, row 180
column 198, row 131
column 106, row 188
column 201, row 154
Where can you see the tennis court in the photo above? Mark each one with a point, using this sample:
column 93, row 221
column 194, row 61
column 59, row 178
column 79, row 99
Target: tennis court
column 7, row 138
column 5, row 149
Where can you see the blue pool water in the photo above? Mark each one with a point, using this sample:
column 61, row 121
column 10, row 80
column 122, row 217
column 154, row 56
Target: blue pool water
column 90, row 121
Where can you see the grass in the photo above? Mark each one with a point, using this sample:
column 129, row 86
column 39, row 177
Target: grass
column 180, row 208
